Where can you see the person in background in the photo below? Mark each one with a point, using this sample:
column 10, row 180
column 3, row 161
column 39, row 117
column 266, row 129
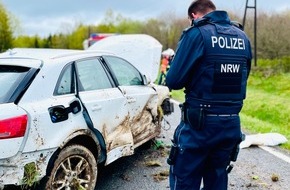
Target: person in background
column 163, row 69
column 212, row 63
column 167, row 56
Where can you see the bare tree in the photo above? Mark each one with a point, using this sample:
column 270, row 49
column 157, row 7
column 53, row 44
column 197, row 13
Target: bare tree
column 273, row 35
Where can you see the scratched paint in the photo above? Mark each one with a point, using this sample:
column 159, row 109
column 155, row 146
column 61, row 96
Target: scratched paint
column 120, row 136
column 139, row 129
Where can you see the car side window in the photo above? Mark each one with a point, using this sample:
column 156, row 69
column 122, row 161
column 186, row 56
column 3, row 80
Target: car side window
column 92, row 75
column 125, row 73
column 65, row 84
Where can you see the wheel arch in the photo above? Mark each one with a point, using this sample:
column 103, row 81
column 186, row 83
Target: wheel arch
column 85, row 138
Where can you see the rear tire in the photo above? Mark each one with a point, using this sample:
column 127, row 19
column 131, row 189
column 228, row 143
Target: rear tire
column 75, row 168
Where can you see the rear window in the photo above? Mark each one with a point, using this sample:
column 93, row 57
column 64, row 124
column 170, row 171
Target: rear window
column 10, row 78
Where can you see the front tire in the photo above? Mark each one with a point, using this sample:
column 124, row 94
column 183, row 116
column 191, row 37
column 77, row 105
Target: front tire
column 75, row 168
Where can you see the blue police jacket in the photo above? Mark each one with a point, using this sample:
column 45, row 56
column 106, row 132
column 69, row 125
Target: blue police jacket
column 212, row 62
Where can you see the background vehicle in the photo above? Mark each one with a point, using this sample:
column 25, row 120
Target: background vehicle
column 65, row 112
column 95, row 37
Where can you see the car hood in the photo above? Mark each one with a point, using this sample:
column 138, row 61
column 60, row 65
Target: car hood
column 142, row 50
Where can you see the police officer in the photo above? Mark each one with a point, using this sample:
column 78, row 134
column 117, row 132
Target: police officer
column 212, row 63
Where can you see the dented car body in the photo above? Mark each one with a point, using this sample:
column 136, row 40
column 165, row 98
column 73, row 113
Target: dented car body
column 64, row 112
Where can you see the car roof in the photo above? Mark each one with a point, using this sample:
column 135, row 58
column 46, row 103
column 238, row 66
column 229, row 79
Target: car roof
column 45, row 54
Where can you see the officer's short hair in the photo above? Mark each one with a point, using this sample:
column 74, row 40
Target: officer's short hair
column 202, row 6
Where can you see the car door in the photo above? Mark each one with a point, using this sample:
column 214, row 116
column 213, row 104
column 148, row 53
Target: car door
column 141, row 99
column 106, row 106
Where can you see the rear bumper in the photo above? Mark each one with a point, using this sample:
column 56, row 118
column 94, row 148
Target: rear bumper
column 12, row 169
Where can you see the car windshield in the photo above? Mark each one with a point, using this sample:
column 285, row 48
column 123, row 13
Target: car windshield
column 10, row 78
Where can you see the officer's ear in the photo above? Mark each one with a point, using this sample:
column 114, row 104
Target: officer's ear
column 194, row 17
column 191, row 19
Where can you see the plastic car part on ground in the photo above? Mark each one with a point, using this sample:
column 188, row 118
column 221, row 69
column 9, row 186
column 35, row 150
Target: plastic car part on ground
column 137, row 49
column 267, row 139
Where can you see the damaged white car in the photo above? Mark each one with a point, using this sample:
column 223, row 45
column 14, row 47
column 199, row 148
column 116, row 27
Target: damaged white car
column 65, row 112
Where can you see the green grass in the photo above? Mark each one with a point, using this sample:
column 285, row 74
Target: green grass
column 267, row 106
column 177, row 95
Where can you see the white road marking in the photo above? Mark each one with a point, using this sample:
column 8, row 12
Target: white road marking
column 276, row 153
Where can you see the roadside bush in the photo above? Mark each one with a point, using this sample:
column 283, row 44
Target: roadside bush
column 270, row 67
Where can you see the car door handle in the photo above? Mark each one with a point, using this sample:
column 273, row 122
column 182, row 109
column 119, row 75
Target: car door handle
column 131, row 99
column 96, row 107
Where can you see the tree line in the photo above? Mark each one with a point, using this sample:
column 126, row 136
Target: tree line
column 272, row 32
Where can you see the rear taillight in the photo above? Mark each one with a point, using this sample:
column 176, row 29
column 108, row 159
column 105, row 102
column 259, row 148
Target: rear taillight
column 13, row 127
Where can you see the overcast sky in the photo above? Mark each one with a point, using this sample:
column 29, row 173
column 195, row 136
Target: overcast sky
column 43, row 17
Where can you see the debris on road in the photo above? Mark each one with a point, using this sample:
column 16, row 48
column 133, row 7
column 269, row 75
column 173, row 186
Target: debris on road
column 153, row 163
column 275, row 177
column 162, row 175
